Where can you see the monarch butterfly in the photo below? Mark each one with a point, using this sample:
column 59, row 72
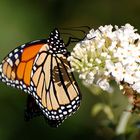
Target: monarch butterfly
column 40, row 68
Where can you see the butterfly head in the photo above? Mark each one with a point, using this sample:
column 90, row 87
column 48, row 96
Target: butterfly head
column 55, row 43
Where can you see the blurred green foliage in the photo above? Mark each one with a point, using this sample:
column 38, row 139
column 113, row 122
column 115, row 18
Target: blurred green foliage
column 23, row 21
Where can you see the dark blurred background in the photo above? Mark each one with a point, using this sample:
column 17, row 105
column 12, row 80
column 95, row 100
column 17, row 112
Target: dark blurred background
column 23, row 21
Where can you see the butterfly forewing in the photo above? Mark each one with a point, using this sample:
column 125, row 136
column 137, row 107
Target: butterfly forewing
column 15, row 69
column 54, row 88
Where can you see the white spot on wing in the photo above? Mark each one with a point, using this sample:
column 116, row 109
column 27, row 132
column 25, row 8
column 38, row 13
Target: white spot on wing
column 16, row 50
column 10, row 55
column 16, row 56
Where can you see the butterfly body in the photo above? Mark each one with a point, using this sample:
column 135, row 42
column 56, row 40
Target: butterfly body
column 40, row 68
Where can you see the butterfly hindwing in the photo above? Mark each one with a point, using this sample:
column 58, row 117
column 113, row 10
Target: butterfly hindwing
column 32, row 109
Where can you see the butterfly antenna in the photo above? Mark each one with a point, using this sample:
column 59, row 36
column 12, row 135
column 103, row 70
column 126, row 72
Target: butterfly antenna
column 68, row 34
column 76, row 28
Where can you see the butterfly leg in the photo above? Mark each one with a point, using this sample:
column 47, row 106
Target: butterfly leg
column 73, row 40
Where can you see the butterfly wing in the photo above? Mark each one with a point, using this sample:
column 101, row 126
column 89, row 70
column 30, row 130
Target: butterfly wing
column 15, row 69
column 54, row 88
column 32, row 109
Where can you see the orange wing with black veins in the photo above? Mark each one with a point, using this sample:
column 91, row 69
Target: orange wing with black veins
column 17, row 66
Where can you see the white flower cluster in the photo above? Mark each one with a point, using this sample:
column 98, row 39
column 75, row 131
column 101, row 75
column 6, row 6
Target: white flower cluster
column 108, row 53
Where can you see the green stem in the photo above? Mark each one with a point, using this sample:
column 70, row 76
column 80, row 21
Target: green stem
column 121, row 127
